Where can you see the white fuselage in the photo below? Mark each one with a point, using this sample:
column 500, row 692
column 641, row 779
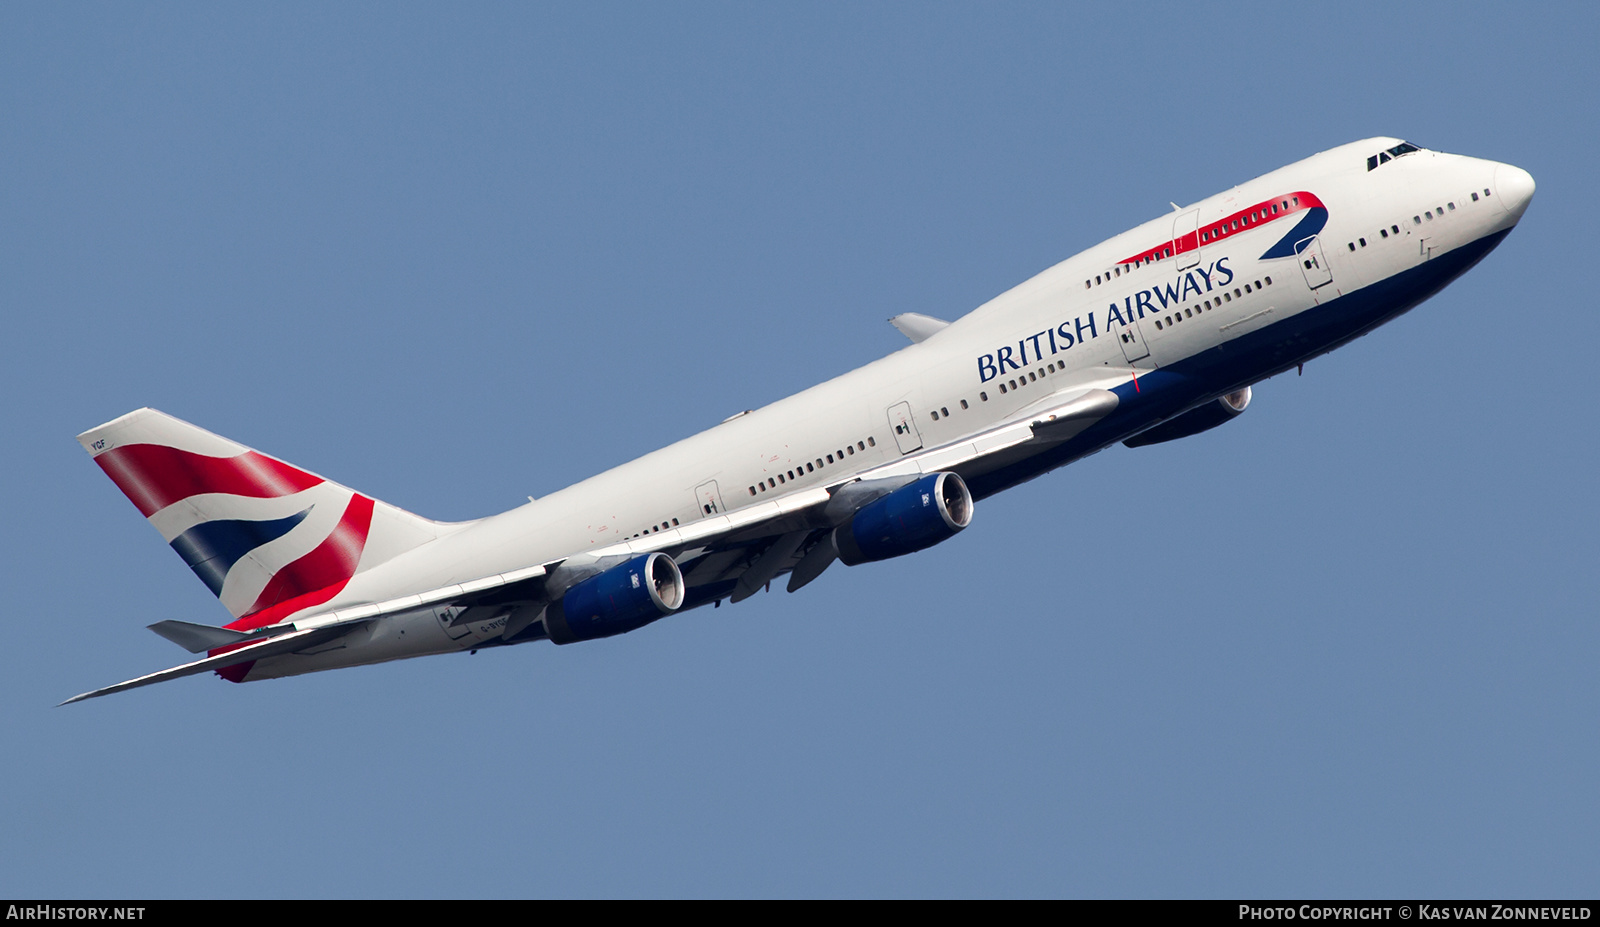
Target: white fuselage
column 1165, row 335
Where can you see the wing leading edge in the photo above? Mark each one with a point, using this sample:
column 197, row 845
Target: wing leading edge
column 742, row 550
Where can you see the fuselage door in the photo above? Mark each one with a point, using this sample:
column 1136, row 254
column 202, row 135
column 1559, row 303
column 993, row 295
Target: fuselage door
column 1132, row 341
column 708, row 498
column 1186, row 229
column 1313, row 264
column 905, row 429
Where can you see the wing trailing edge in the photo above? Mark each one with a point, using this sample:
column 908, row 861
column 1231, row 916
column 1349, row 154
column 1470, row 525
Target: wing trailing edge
column 272, row 646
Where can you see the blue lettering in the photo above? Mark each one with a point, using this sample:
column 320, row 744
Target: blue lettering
column 1170, row 295
column 1052, row 333
column 1037, row 354
column 1115, row 313
column 1092, row 333
column 1223, row 269
column 1206, row 274
column 1143, row 302
column 1003, row 357
column 986, row 371
column 1189, row 284
column 1066, row 336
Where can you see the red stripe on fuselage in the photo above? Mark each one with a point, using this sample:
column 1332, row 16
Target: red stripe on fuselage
column 1259, row 214
column 316, row 577
column 153, row 476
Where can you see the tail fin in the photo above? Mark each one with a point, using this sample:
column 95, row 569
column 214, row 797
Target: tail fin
column 267, row 538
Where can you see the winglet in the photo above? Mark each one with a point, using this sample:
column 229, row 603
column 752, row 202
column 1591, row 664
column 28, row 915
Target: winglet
column 918, row 327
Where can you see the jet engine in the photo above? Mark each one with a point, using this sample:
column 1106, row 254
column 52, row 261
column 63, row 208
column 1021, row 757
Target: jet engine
column 622, row 598
column 914, row 517
column 1196, row 420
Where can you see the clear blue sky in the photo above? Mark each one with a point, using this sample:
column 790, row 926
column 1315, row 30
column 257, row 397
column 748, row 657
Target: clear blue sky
column 456, row 256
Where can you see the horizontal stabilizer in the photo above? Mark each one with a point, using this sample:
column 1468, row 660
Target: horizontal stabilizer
column 198, row 638
column 271, row 647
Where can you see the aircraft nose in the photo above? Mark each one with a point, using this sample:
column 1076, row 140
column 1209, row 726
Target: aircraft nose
column 1515, row 187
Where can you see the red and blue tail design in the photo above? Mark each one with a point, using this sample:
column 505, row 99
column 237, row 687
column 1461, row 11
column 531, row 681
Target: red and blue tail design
column 267, row 538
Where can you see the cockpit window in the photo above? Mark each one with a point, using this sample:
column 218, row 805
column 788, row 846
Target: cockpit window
column 1383, row 157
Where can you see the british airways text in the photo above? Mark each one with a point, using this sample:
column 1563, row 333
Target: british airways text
column 1034, row 348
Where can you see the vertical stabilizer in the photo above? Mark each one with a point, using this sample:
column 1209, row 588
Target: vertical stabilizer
column 267, row 538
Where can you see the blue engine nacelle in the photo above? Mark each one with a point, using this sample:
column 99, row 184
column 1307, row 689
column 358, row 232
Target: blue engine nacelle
column 912, row 518
column 624, row 598
column 1196, row 420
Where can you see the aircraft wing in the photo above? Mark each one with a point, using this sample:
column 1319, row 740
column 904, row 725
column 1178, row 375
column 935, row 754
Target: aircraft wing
column 749, row 546
column 728, row 545
column 749, row 530
column 272, row 646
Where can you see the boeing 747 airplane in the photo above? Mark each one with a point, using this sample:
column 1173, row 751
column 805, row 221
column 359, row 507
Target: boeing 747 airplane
column 1151, row 336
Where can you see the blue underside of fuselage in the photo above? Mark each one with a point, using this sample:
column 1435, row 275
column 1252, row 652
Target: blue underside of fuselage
column 1169, row 391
